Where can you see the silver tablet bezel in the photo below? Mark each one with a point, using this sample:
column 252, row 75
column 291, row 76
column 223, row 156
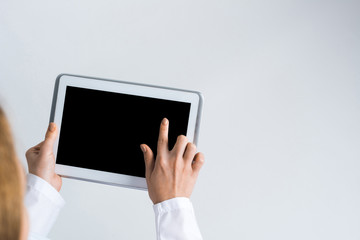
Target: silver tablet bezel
column 64, row 80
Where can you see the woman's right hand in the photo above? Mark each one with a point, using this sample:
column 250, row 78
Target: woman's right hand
column 173, row 173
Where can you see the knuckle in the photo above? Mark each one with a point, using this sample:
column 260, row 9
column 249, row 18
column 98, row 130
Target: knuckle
column 162, row 162
column 191, row 146
column 161, row 140
column 182, row 138
column 163, row 168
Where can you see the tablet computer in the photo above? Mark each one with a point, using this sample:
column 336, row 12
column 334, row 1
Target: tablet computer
column 102, row 123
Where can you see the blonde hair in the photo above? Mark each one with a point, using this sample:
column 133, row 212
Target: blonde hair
column 11, row 189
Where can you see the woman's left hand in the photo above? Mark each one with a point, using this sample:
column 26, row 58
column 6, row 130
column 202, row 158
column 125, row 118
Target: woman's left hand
column 41, row 159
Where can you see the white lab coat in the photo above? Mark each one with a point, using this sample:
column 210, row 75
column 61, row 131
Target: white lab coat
column 174, row 218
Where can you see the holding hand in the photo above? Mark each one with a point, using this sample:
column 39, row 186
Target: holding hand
column 173, row 173
column 41, row 159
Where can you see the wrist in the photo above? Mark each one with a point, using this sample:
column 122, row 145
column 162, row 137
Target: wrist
column 173, row 204
column 40, row 175
column 169, row 197
column 54, row 180
column 41, row 184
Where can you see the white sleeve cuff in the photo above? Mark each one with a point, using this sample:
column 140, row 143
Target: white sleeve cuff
column 43, row 203
column 42, row 186
column 175, row 220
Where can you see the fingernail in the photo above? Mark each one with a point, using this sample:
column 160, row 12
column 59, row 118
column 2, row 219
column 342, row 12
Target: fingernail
column 165, row 121
column 51, row 127
column 143, row 148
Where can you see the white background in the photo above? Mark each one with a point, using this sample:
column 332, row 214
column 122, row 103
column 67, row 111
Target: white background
column 280, row 129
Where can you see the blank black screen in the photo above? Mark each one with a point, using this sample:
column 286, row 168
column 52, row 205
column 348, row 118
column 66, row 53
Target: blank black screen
column 103, row 130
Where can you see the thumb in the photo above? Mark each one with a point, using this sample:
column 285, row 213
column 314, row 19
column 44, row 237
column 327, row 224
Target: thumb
column 148, row 158
column 50, row 137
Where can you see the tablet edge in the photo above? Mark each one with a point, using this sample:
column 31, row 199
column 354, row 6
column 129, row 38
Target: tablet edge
column 200, row 95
